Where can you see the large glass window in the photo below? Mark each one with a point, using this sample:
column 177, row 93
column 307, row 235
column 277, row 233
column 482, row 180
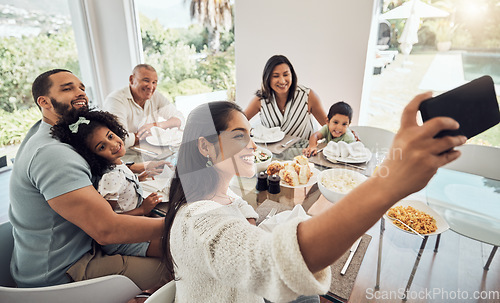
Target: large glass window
column 193, row 54
column 34, row 36
column 445, row 52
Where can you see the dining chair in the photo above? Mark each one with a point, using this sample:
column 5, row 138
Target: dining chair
column 374, row 138
column 482, row 161
column 166, row 294
column 378, row 141
column 6, row 248
column 109, row 289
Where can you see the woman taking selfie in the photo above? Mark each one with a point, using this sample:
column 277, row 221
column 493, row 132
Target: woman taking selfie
column 218, row 255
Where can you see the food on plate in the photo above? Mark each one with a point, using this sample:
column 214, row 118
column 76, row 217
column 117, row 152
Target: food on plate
column 260, row 156
column 416, row 219
column 274, row 168
column 290, row 177
column 304, row 173
column 292, row 173
column 301, row 159
column 342, row 183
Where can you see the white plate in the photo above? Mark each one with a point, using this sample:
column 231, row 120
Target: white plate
column 312, row 180
column 350, row 159
column 277, row 136
column 441, row 223
column 174, row 140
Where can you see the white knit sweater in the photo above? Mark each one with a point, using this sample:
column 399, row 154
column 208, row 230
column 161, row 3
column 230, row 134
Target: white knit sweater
column 220, row 257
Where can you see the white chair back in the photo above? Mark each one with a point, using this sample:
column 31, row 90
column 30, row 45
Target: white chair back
column 166, row 294
column 478, row 160
column 374, row 138
column 6, row 247
column 109, row 289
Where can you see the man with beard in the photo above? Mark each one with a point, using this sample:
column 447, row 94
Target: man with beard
column 139, row 106
column 56, row 212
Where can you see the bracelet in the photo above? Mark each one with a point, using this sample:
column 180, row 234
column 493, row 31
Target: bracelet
column 143, row 295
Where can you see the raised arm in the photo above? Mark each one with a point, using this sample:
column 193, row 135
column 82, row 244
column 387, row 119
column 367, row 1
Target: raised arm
column 87, row 209
column 412, row 160
column 316, row 108
column 253, row 108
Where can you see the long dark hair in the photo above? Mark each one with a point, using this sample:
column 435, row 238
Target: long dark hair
column 61, row 131
column 193, row 180
column 266, row 91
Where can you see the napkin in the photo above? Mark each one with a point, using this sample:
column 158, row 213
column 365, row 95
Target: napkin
column 263, row 133
column 271, row 223
column 355, row 150
column 161, row 183
column 166, row 136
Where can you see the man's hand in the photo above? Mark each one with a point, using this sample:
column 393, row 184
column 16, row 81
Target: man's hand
column 144, row 131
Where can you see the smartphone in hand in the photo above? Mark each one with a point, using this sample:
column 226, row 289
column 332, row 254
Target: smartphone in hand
column 474, row 105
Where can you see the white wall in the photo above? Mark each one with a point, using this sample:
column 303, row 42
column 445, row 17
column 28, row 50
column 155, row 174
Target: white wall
column 111, row 43
column 326, row 41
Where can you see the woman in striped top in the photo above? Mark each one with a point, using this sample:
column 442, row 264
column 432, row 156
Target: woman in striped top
column 284, row 103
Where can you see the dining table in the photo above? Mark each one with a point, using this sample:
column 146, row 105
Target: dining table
column 309, row 197
column 469, row 203
column 312, row 201
column 365, row 271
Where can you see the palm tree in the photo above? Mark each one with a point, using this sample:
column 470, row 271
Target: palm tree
column 215, row 15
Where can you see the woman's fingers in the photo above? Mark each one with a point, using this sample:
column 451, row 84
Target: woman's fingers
column 441, row 145
column 409, row 116
column 433, row 126
column 447, row 157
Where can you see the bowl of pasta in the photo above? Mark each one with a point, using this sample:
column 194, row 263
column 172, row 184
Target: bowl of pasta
column 335, row 183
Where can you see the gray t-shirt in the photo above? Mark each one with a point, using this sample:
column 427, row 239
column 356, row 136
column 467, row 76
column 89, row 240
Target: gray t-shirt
column 45, row 244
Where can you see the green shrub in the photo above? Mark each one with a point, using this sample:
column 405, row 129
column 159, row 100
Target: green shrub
column 218, row 70
column 14, row 125
column 190, row 87
column 24, row 58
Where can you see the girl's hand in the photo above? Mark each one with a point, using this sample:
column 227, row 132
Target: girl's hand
column 150, row 202
column 143, row 176
column 415, row 154
column 156, row 166
column 310, row 151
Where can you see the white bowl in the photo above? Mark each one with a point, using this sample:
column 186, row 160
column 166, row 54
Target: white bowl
column 340, row 177
column 262, row 166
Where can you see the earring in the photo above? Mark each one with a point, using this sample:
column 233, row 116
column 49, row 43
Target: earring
column 209, row 162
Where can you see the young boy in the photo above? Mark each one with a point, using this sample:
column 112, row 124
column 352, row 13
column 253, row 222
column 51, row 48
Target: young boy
column 337, row 129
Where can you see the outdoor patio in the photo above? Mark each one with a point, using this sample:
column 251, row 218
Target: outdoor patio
column 401, row 80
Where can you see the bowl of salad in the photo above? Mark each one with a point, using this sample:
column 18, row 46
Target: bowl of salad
column 262, row 159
